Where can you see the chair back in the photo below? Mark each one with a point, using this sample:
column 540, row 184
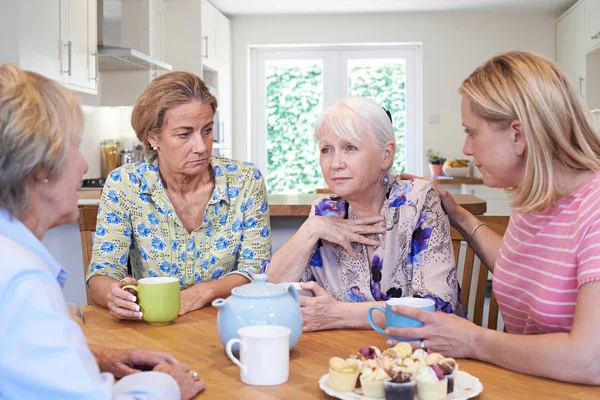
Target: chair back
column 498, row 224
column 87, row 226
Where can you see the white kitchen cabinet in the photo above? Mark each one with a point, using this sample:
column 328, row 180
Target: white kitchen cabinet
column 592, row 22
column 570, row 46
column 55, row 38
column 210, row 18
column 34, row 45
column 498, row 201
column 79, row 43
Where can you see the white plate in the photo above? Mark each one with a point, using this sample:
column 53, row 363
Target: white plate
column 466, row 386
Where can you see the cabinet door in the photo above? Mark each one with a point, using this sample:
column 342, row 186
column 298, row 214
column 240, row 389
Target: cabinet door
column 208, row 25
column 40, row 44
column 593, row 23
column 83, row 65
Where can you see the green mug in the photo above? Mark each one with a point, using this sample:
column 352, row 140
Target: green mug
column 158, row 299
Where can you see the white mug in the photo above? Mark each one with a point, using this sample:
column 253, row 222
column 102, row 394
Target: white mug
column 264, row 354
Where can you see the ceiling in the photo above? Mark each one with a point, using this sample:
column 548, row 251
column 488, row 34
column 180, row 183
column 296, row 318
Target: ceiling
column 261, row 7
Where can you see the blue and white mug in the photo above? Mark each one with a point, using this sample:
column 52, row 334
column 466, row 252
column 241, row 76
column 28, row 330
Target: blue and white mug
column 393, row 320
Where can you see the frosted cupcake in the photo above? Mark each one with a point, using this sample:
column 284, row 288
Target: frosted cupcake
column 400, row 351
column 419, row 354
column 401, row 386
column 431, row 383
column 449, row 367
column 433, row 358
column 412, row 365
column 372, row 380
column 342, row 375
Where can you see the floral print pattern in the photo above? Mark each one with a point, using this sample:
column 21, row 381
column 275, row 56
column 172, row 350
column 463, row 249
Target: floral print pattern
column 137, row 223
column 415, row 258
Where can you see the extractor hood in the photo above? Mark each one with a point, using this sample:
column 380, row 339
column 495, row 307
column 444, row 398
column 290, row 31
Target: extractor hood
column 113, row 52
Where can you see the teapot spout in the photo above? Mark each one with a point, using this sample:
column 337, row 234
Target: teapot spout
column 219, row 303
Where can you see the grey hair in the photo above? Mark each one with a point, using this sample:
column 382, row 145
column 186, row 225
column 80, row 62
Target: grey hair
column 353, row 114
column 38, row 119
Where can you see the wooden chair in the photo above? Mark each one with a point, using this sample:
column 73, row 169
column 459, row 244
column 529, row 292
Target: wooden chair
column 498, row 224
column 324, row 190
column 87, row 226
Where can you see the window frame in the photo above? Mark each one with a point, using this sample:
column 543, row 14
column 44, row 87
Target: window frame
column 334, row 58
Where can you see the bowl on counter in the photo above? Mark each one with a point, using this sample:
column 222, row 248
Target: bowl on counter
column 459, row 172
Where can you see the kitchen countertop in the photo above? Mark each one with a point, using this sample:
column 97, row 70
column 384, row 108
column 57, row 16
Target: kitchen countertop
column 298, row 205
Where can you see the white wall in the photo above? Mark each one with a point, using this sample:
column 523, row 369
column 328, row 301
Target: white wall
column 103, row 123
column 453, row 45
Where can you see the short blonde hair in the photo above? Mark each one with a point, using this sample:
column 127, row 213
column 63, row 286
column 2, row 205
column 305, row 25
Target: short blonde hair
column 163, row 94
column 38, row 120
column 558, row 126
column 352, row 114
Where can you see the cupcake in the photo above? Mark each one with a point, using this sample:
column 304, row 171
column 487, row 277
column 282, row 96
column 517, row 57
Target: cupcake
column 371, row 380
column 431, row 383
column 433, row 358
column 412, row 365
column 449, row 367
column 401, row 386
column 401, row 351
column 342, row 375
column 420, row 355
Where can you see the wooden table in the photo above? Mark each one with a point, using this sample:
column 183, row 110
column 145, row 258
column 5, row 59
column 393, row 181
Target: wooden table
column 298, row 205
column 193, row 340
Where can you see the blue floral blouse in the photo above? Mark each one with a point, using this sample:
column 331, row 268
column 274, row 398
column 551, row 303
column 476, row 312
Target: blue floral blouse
column 415, row 258
column 137, row 223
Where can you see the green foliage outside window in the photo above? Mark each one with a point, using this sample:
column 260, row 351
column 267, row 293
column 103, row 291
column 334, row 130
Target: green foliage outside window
column 295, row 100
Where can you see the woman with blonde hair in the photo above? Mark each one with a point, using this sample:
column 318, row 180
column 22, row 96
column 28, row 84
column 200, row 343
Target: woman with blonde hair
column 185, row 213
column 530, row 133
column 43, row 353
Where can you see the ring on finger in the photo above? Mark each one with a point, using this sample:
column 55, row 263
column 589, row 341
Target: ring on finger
column 422, row 344
column 195, row 375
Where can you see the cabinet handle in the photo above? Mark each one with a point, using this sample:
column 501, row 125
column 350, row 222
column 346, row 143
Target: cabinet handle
column 68, row 46
column 95, row 78
column 205, row 39
column 581, row 80
column 596, row 36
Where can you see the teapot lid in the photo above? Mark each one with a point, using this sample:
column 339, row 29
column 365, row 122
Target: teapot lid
column 259, row 287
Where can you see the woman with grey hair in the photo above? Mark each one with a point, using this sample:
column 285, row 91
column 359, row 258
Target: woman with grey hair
column 43, row 353
column 377, row 238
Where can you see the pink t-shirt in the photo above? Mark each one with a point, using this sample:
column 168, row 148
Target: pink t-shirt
column 545, row 258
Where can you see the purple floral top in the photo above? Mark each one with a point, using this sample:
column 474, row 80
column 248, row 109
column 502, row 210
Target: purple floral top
column 415, row 258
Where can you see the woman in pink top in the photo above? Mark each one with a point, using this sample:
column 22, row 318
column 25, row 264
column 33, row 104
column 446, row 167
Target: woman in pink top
column 530, row 133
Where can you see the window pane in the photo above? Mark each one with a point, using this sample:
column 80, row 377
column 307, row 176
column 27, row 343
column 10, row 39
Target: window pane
column 294, row 101
column 383, row 81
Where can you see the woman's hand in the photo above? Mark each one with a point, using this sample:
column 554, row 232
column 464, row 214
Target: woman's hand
column 185, row 380
column 321, row 312
column 450, row 205
column 121, row 303
column 443, row 333
column 344, row 232
column 194, row 298
column 122, row 362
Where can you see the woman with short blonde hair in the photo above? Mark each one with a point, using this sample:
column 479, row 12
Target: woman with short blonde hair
column 43, row 353
column 529, row 133
column 185, row 214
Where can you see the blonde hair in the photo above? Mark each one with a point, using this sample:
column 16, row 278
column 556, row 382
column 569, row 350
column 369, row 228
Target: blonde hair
column 351, row 115
column 163, row 94
column 558, row 126
column 38, row 120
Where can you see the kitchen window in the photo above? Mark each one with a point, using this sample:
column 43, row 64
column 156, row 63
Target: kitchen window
column 291, row 86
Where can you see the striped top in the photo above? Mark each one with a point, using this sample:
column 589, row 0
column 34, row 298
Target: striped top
column 545, row 258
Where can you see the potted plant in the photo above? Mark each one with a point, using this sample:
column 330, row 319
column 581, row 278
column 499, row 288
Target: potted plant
column 435, row 163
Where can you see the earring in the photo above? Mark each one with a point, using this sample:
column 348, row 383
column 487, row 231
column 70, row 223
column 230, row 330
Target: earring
column 153, row 147
column 46, row 180
column 385, row 180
